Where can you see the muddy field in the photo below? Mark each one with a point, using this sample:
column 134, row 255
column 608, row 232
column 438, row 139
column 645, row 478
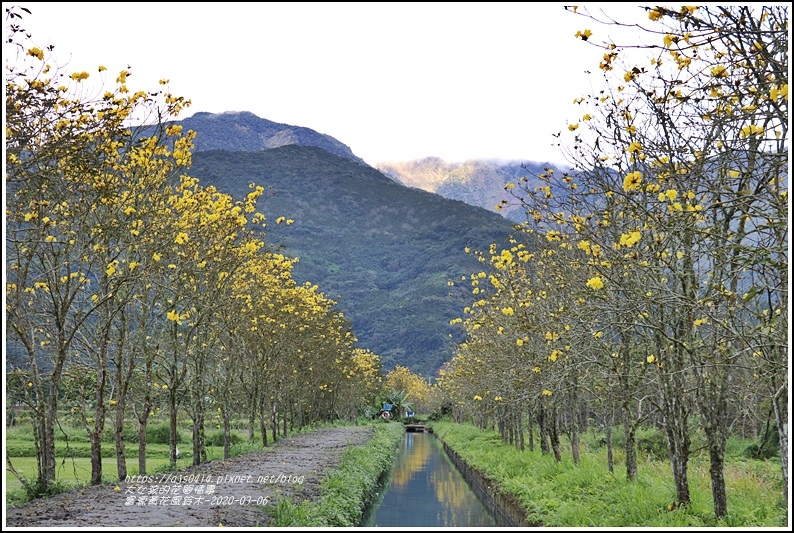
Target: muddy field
column 236, row 492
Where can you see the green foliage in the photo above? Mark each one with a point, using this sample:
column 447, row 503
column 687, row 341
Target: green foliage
column 33, row 489
column 768, row 445
column 383, row 250
column 653, row 444
column 285, row 513
column 128, row 435
column 26, row 448
column 216, row 438
column 346, row 492
column 161, row 434
column 563, row 494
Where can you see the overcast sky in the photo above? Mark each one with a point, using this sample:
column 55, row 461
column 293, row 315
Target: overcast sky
column 394, row 81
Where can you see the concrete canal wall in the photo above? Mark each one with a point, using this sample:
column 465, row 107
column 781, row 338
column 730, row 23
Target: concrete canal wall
column 505, row 507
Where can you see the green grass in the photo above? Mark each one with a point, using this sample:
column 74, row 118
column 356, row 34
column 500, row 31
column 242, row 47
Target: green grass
column 71, row 472
column 588, row 495
column 73, row 452
column 345, row 492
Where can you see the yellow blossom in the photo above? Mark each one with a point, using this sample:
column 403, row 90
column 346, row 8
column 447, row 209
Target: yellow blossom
column 632, row 180
column 719, row 71
column 595, row 283
column 630, row 239
column 36, row 52
column 751, row 129
column 584, row 34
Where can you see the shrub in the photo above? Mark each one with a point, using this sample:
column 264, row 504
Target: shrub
column 653, row 444
column 128, row 434
column 161, row 434
column 216, row 439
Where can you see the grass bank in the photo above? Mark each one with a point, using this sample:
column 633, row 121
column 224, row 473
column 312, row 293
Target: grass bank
column 345, row 492
column 588, row 495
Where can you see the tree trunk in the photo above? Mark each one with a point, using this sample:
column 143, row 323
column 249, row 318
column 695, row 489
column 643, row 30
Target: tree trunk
column 554, row 435
column 142, row 444
column 717, row 472
column 99, row 423
column 121, row 457
column 199, row 449
column 631, row 450
column 530, row 431
column 545, row 445
column 274, row 422
column 172, row 434
column 520, row 428
column 574, row 413
column 227, row 435
column 628, row 413
column 47, row 477
column 143, row 418
column 779, row 403
column 678, row 440
column 610, row 458
column 253, row 409
column 262, row 421
column 121, row 384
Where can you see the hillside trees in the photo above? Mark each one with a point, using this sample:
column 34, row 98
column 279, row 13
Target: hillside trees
column 671, row 236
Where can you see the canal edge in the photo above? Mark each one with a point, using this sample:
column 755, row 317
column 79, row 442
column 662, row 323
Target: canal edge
column 504, row 502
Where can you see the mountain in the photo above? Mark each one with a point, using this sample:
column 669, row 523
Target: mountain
column 383, row 251
column 244, row 131
column 476, row 182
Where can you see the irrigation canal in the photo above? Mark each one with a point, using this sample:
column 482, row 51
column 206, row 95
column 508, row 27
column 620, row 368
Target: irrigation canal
column 425, row 489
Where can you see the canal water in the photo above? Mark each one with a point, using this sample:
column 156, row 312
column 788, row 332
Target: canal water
column 424, row 489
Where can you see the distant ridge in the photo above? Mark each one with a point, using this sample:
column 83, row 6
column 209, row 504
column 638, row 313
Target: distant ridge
column 242, row 131
column 478, row 182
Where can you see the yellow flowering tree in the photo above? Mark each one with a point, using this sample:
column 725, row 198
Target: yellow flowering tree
column 697, row 136
column 72, row 169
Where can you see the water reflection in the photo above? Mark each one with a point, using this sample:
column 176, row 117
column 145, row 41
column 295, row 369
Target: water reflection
column 426, row 490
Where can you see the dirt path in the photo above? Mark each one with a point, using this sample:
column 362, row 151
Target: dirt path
column 232, row 493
